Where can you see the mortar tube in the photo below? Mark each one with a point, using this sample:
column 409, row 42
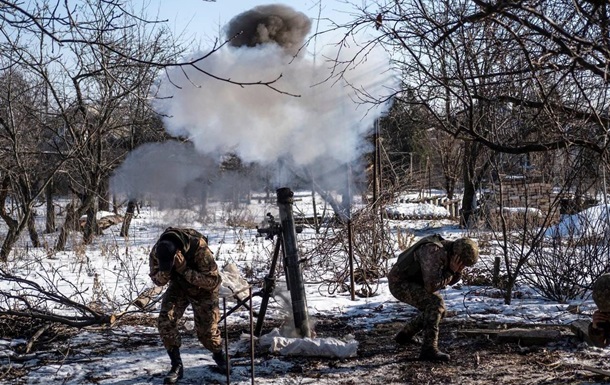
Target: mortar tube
column 293, row 267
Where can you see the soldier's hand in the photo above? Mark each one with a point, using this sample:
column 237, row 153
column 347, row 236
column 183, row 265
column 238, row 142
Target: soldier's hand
column 179, row 263
column 455, row 264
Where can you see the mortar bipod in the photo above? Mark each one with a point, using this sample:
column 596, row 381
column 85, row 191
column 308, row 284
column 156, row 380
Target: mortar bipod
column 265, row 292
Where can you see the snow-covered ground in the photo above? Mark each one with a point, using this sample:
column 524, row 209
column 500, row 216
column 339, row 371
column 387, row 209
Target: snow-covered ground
column 112, row 271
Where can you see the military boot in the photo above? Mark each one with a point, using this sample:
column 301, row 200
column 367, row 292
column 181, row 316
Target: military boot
column 177, row 370
column 429, row 349
column 433, row 354
column 409, row 331
column 221, row 361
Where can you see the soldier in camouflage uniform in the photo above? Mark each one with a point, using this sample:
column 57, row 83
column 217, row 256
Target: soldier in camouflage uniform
column 599, row 328
column 181, row 257
column 416, row 278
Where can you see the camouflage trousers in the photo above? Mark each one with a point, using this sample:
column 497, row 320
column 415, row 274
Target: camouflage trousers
column 431, row 306
column 206, row 314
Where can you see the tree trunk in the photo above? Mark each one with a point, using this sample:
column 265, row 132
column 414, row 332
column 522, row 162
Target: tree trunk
column 13, row 225
column 104, row 199
column 14, row 230
column 32, row 229
column 469, row 200
column 450, row 186
column 50, row 217
column 115, row 204
column 131, row 208
column 70, row 223
column 9, row 242
column 91, row 226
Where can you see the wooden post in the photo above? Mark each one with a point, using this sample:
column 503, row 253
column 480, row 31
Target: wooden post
column 496, row 276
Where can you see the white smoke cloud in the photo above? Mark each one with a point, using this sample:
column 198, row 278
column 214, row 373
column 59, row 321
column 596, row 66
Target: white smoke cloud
column 322, row 129
column 163, row 171
column 262, row 125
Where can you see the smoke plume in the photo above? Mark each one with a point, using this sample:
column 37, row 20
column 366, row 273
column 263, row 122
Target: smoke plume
column 274, row 23
column 164, row 171
column 314, row 113
column 260, row 124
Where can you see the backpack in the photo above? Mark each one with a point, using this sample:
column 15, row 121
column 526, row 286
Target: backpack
column 191, row 233
column 406, row 260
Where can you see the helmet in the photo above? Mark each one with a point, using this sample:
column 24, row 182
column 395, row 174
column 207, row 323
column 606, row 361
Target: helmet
column 165, row 252
column 467, row 250
column 601, row 292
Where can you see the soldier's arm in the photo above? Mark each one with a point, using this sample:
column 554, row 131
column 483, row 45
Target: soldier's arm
column 159, row 278
column 203, row 271
column 454, row 270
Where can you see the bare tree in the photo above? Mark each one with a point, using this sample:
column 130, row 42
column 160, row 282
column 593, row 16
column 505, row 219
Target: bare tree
column 24, row 169
column 503, row 74
column 96, row 64
column 64, row 22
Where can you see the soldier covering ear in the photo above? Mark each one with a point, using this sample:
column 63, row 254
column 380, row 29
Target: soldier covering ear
column 419, row 273
column 182, row 259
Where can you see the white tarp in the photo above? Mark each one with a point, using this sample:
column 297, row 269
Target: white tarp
column 314, row 347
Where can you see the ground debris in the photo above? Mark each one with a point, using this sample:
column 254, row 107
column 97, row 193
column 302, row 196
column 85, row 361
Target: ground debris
column 475, row 358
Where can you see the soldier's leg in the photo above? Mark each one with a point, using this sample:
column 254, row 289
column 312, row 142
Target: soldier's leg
column 410, row 293
column 173, row 305
column 207, row 314
column 433, row 311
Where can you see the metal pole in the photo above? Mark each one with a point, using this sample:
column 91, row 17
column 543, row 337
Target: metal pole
column 376, row 165
column 350, row 238
column 224, row 311
column 316, row 225
column 251, row 339
column 293, row 267
column 351, row 260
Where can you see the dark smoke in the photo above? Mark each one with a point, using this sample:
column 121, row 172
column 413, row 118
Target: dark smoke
column 274, row 23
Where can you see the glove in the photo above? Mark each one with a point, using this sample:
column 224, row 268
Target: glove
column 179, row 263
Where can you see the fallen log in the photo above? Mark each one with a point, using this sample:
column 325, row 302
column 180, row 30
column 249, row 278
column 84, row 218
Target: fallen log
column 522, row 336
column 596, row 370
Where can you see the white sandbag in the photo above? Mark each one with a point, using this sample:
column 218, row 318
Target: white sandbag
column 233, row 284
column 311, row 347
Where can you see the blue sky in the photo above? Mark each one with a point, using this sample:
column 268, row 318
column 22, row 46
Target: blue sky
column 200, row 21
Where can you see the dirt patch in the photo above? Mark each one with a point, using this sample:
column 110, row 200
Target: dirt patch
column 474, row 360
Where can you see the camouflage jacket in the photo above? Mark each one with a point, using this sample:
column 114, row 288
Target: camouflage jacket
column 201, row 269
column 434, row 268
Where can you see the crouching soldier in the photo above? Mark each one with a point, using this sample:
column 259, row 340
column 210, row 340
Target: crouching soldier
column 599, row 328
column 181, row 257
column 419, row 273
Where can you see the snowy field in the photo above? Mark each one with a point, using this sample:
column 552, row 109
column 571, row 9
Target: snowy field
column 112, row 271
